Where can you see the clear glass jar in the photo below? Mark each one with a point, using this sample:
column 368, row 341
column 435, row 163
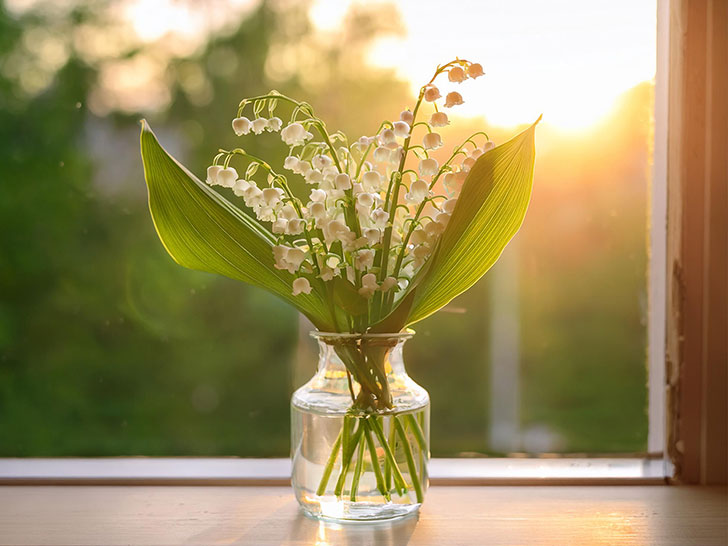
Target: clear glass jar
column 360, row 431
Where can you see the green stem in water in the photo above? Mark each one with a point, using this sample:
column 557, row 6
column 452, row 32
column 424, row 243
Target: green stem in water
column 399, row 482
column 346, row 461
column 417, row 430
column 329, row 465
column 375, row 463
column 410, row 460
column 357, row 472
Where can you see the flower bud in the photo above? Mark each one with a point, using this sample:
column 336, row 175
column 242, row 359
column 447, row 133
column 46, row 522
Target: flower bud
column 432, row 93
column 475, row 70
column 453, row 99
column 457, row 74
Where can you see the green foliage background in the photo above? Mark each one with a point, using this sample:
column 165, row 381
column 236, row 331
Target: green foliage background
column 109, row 348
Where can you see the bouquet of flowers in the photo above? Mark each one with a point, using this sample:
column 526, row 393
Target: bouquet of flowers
column 383, row 235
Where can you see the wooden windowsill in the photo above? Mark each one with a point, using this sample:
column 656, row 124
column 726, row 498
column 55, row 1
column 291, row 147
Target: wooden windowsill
column 110, row 515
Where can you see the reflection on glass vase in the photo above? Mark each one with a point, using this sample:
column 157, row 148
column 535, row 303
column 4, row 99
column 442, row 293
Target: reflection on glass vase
column 360, row 431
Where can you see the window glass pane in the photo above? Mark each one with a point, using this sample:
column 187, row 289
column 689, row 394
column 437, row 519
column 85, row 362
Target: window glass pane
column 107, row 347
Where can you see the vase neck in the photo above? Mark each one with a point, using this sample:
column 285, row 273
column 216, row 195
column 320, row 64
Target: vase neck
column 369, row 362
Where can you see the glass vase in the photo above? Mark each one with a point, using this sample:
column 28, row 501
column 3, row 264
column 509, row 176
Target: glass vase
column 360, row 431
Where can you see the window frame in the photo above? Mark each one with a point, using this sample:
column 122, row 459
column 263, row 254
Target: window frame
column 677, row 381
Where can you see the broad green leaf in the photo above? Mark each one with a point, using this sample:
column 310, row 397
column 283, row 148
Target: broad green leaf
column 202, row 230
column 489, row 211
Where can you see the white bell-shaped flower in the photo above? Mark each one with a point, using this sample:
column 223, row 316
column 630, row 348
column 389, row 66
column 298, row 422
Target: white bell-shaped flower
column 449, row 206
column 301, row 286
column 432, row 93
column 388, row 284
column 419, row 190
column 380, row 218
column 291, row 163
column 317, row 210
column 227, row 177
column 317, row 195
column 387, row 136
column 439, row 119
column 368, row 285
column 407, row 116
column 240, row 186
column 253, row 196
column 272, row 196
column 365, row 200
column 371, row 181
column 468, row 163
column 241, row 126
column 432, row 141
column 401, row 129
column 342, row 181
column 453, row 99
column 373, row 235
column 288, row 212
column 488, row 146
column 321, row 161
column 259, row 125
column 428, row 167
column 364, row 259
column 280, row 226
column 295, row 134
column 295, row 226
column 212, row 173
column 274, row 125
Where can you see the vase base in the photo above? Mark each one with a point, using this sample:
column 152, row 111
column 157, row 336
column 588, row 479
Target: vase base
column 346, row 511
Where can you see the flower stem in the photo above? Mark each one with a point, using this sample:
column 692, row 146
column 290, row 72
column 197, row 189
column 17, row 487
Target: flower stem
column 357, row 472
column 410, row 460
column 329, row 465
column 419, row 435
column 399, row 482
column 346, row 460
column 375, row 462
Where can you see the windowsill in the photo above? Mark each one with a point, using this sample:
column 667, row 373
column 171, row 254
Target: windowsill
column 668, row 516
column 239, row 471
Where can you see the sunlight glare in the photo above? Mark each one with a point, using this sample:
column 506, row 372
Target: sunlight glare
column 536, row 59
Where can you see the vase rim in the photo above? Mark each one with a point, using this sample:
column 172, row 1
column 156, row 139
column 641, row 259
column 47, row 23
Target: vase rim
column 403, row 335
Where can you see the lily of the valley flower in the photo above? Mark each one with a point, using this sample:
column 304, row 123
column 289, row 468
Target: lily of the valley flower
column 439, row 119
column 301, row 286
column 428, row 167
column 475, row 70
column 432, row 141
column 368, row 285
column 241, row 126
column 432, row 93
column 295, row 135
column 453, row 99
column 457, row 74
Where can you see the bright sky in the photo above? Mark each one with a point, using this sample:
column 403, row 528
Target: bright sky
column 567, row 59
